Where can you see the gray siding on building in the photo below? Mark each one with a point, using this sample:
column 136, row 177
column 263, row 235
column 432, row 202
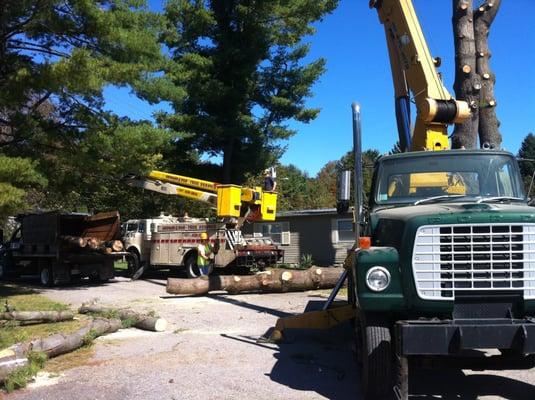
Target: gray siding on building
column 310, row 234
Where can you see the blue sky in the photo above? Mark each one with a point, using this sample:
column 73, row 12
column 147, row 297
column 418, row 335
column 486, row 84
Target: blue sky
column 352, row 41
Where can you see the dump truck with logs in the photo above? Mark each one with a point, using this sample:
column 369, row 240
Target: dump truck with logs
column 62, row 247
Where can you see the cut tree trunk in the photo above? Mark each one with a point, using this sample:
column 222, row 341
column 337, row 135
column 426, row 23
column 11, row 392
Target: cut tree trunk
column 467, row 83
column 54, row 345
column 37, row 316
column 275, row 280
column 140, row 321
column 74, row 241
column 94, row 243
column 489, row 134
column 116, row 245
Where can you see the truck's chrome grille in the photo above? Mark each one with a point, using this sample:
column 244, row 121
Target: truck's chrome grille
column 452, row 259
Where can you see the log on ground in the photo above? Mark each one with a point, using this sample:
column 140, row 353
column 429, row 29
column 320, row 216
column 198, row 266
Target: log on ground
column 55, row 345
column 36, row 316
column 138, row 320
column 271, row 281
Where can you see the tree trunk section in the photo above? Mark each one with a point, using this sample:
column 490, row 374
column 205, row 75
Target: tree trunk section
column 489, row 134
column 467, row 83
column 37, row 316
column 272, row 281
column 116, row 245
column 228, row 154
column 54, row 345
column 140, row 321
column 74, row 241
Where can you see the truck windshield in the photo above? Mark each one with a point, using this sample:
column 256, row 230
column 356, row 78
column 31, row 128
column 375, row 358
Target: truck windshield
column 455, row 177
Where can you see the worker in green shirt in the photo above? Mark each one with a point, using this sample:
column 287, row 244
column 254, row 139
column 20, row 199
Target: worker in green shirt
column 205, row 255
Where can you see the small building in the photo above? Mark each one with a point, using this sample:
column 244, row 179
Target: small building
column 323, row 234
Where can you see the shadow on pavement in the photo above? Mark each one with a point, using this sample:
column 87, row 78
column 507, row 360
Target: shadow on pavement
column 454, row 384
column 255, row 307
column 322, row 362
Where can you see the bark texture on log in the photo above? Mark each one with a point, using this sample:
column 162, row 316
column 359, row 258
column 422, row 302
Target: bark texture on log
column 275, row 280
column 140, row 321
column 489, row 134
column 37, row 316
column 55, row 345
column 467, row 83
column 74, row 241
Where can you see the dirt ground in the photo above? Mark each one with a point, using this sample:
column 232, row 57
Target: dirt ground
column 210, row 351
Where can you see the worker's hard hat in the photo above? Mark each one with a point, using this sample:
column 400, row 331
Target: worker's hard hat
column 267, row 171
column 204, row 236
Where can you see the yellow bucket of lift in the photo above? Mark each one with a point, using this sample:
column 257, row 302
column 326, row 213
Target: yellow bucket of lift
column 268, row 207
column 228, row 200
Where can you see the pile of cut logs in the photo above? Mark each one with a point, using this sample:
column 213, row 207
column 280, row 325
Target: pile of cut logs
column 92, row 243
column 16, row 356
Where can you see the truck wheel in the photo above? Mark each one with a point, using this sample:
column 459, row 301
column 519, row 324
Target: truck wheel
column 376, row 354
column 191, row 266
column 46, row 276
column 3, row 270
column 135, row 267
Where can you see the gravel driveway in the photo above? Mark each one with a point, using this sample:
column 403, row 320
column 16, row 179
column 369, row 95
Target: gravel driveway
column 210, row 352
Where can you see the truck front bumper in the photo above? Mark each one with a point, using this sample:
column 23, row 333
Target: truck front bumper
column 451, row 337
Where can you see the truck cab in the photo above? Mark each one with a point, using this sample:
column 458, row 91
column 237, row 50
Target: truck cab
column 451, row 267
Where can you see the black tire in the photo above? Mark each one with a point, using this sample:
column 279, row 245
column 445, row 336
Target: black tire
column 192, row 270
column 3, row 267
column 46, row 275
column 376, row 355
column 135, row 268
column 6, row 267
column 3, row 271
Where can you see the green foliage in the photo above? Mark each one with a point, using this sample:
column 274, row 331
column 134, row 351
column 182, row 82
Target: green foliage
column 20, row 377
column 306, row 261
column 16, row 175
column 369, row 157
column 527, row 168
column 292, row 185
column 89, row 337
column 235, row 76
column 56, row 56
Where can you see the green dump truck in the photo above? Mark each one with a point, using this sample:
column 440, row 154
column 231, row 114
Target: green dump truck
column 61, row 247
column 450, row 270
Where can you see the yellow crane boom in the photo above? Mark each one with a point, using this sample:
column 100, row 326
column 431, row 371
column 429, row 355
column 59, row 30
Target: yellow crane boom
column 414, row 71
column 230, row 201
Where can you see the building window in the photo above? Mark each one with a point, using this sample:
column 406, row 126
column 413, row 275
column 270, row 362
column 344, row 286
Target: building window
column 344, row 230
column 279, row 232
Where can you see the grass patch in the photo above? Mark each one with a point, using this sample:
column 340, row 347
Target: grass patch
column 28, row 301
column 22, row 299
column 70, row 360
column 180, row 330
column 20, row 377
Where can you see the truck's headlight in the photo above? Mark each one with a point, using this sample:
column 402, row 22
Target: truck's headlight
column 377, row 279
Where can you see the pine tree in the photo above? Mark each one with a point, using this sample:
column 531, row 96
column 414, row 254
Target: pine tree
column 527, row 162
column 236, row 75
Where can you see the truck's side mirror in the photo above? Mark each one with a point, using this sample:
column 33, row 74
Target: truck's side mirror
column 344, row 192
